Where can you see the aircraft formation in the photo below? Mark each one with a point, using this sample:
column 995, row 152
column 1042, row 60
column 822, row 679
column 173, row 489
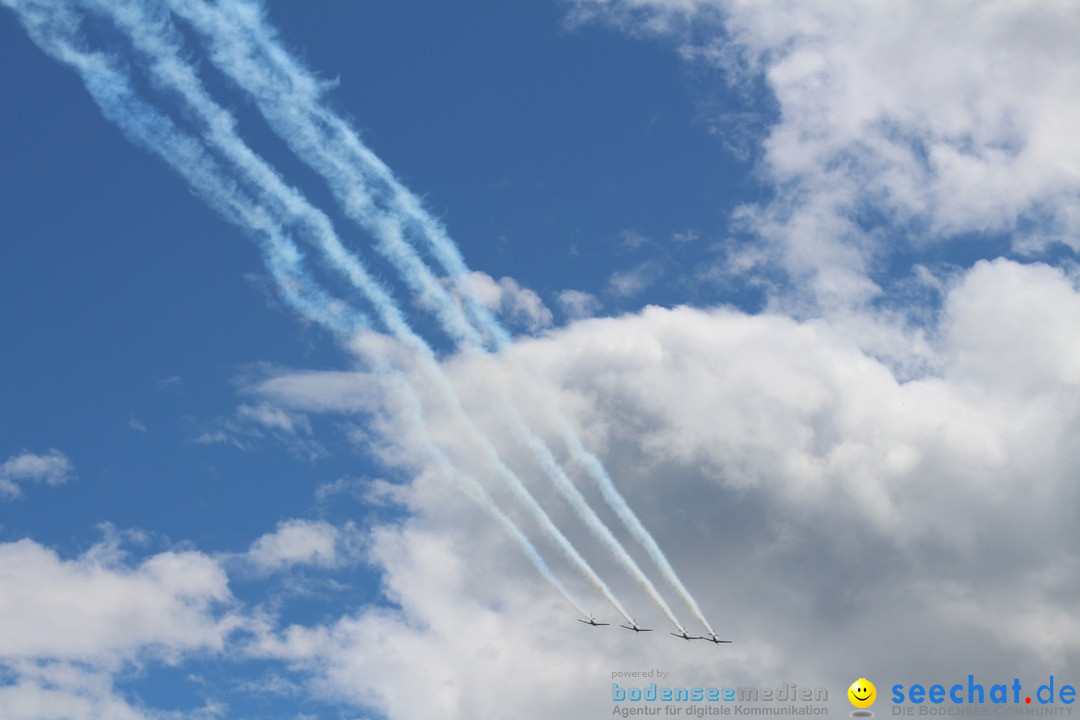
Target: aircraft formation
column 683, row 633
column 149, row 82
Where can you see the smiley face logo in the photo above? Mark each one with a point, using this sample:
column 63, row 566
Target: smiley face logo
column 862, row 693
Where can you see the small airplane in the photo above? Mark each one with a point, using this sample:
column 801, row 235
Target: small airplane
column 634, row 626
column 713, row 638
column 685, row 635
column 591, row 621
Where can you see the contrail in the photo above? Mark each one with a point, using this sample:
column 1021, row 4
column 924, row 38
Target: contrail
column 246, row 49
column 348, row 186
column 477, row 492
column 155, row 38
column 55, row 29
column 294, row 114
column 581, row 506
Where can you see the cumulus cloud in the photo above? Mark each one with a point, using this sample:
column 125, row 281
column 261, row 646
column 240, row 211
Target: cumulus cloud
column 93, row 609
column 807, row 494
column 896, row 500
column 518, row 306
column 898, row 124
column 72, row 624
column 444, row 637
column 51, row 468
column 298, row 542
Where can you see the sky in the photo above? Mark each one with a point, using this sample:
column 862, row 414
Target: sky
column 354, row 352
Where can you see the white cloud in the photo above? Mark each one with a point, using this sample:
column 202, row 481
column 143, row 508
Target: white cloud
column 217, row 437
column 625, row 283
column 353, row 487
column 941, row 118
column 329, row 391
column 427, row 658
column 685, row 238
column 71, row 625
column 252, row 423
column 272, row 418
column 63, row 691
column 807, row 495
column 52, row 468
column 517, row 305
column 94, row 609
column 576, row 304
column 297, row 542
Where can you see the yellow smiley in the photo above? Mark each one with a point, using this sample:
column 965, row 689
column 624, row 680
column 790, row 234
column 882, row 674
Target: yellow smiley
column 862, row 693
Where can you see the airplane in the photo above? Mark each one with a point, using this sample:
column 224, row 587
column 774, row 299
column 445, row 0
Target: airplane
column 591, row 621
column 634, row 626
column 713, row 638
column 685, row 635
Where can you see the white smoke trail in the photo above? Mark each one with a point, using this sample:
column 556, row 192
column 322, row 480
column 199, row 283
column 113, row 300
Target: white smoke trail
column 169, row 67
column 155, row 38
column 246, row 49
column 630, row 519
column 55, row 29
column 581, row 507
column 476, row 491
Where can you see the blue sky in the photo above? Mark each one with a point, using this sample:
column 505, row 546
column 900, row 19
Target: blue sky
column 803, row 280
column 549, row 165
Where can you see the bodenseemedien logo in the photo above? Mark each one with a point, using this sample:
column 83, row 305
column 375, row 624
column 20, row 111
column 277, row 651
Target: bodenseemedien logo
column 862, row 695
column 785, row 700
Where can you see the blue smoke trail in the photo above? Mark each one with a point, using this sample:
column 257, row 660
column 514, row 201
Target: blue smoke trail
column 348, row 186
column 246, row 49
column 154, row 37
column 56, row 30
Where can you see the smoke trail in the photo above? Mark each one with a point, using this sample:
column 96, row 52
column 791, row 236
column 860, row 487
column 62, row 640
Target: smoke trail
column 289, row 113
column 54, row 28
column 155, row 38
column 477, row 492
column 348, row 186
column 581, row 506
column 246, row 49
column 618, row 503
